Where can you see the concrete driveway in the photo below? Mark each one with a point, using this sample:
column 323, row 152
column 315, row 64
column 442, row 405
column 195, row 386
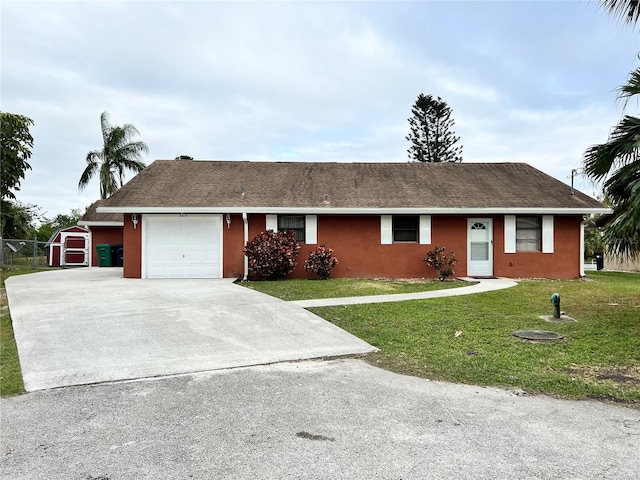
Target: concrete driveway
column 90, row 325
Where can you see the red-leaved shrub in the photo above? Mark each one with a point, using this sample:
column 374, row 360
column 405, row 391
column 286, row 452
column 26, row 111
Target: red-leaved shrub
column 441, row 262
column 272, row 255
column 321, row 261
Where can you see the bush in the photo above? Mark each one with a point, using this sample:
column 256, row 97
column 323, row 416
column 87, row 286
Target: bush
column 321, row 261
column 272, row 255
column 441, row 262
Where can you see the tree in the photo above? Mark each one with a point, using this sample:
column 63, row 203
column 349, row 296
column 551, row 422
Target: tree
column 119, row 153
column 49, row 227
column 626, row 10
column 431, row 134
column 16, row 144
column 17, row 220
column 618, row 161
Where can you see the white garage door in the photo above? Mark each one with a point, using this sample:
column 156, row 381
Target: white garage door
column 182, row 246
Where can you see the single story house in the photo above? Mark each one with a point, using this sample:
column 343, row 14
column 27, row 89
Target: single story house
column 192, row 219
column 103, row 227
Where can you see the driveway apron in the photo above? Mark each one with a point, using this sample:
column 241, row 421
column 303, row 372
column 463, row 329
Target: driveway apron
column 90, row 325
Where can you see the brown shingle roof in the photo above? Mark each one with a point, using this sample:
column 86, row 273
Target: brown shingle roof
column 189, row 183
column 93, row 217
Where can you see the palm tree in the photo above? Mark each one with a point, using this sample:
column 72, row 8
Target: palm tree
column 118, row 154
column 626, row 10
column 618, row 161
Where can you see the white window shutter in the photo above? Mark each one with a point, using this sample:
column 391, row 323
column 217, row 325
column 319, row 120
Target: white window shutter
column 386, row 229
column 425, row 229
column 509, row 234
column 547, row 234
column 272, row 222
column 311, row 229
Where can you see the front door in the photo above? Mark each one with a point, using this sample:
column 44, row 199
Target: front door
column 480, row 247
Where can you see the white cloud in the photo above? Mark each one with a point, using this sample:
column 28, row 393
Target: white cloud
column 327, row 81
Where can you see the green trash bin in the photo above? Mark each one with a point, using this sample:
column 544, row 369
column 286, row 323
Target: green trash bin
column 104, row 255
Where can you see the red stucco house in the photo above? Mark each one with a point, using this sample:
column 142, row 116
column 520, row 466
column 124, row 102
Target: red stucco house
column 191, row 219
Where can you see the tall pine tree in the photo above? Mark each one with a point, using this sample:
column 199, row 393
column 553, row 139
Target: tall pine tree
column 431, row 134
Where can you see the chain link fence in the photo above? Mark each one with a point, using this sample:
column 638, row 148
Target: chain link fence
column 17, row 253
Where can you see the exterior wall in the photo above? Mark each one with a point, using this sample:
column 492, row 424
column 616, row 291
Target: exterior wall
column 232, row 244
column 53, row 255
column 132, row 253
column 99, row 235
column 356, row 243
column 564, row 262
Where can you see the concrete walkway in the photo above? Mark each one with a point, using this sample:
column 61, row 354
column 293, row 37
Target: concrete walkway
column 90, row 325
column 483, row 285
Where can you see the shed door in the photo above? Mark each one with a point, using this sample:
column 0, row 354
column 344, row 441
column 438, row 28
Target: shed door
column 75, row 248
column 182, row 246
column 480, row 247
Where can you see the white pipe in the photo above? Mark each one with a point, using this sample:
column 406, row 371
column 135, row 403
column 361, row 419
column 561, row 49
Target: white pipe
column 582, row 249
column 245, row 219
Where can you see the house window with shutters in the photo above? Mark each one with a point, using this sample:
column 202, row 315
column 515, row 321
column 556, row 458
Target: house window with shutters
column 295, row 223
column 528, row 234
column 405, row 228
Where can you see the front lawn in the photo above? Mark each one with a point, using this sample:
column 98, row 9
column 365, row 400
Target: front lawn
column 468, row 339
column 300, row 289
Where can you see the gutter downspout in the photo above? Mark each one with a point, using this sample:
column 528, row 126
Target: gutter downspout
column 582, row 249
column 245, row 220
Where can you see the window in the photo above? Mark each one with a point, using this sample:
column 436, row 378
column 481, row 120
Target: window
column 405, row 229
column 528, row 234
column 293, row 222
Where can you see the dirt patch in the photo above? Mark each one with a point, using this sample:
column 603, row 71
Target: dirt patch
column 627, row 375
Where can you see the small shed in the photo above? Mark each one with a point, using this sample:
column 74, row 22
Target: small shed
column 68, row 247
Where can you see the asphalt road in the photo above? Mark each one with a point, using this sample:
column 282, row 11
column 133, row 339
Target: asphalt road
column 341, row 419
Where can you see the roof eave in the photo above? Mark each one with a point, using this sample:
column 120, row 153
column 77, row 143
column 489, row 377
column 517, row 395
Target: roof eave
column 96, row 223
column 362, row 211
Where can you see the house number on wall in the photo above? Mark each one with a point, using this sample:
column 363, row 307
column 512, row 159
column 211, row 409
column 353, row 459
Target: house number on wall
column 183, row 215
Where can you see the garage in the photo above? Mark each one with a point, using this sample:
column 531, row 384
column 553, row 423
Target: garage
column 182, row 246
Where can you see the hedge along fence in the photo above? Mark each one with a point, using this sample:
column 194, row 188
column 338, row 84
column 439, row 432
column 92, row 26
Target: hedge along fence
column 17, row 252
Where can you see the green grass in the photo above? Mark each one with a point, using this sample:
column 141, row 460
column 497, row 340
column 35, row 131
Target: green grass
column 347, row 287
column 598, row 358
column 10, row 374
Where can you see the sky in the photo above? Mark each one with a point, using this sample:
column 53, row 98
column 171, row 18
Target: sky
column 322, row 81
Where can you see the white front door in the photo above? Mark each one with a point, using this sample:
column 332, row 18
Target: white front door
column 182, row 246
column 480, row 247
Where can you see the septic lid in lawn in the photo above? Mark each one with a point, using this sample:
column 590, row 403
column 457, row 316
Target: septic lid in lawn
column 537, row 335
